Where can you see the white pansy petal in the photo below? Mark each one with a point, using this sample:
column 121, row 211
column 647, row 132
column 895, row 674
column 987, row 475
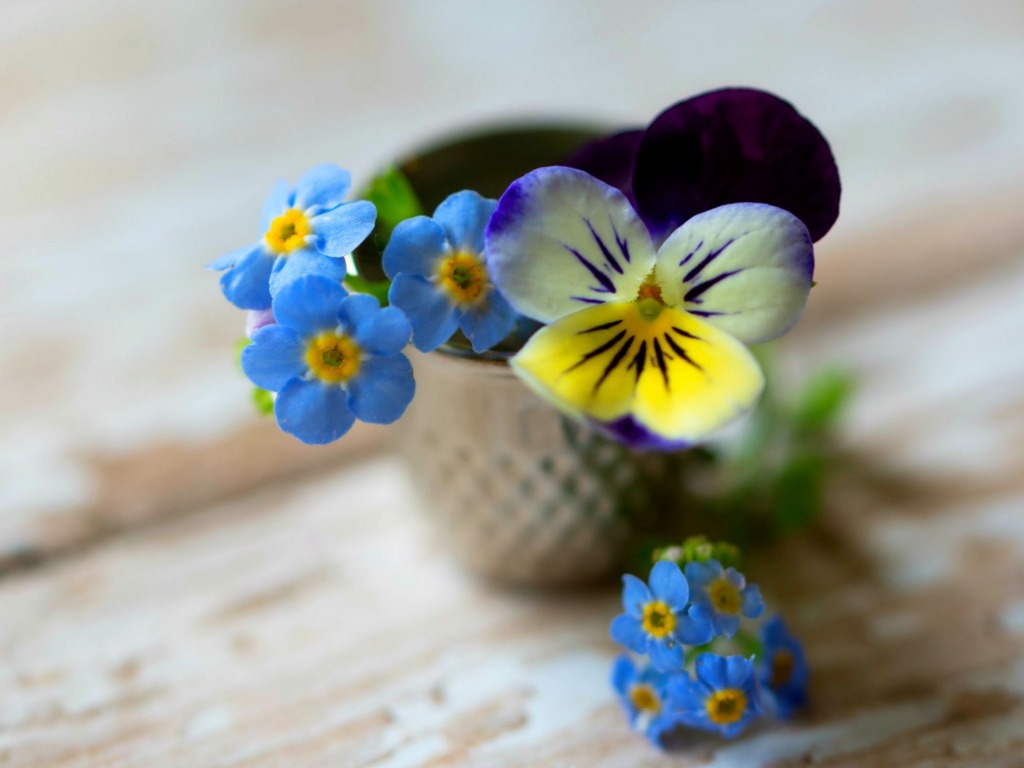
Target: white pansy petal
column 560, row 241
column 745, row 268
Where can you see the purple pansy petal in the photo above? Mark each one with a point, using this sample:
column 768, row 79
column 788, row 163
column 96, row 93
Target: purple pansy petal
column 489, row 323
column 635, row 435
column 666, row 657
column 626, row 630
column 309, row 305
column 463, row 216
column 667, row 584
column 246, row 284
column 610, row 159
column 692, row 631
column 753, row 604
column 229, row 260
column 415, row 247
column 340, row 230
column 560, row 241
column 302, row 263
column 635, row 595
column 276, row 203
column 274, row 358
column 736, row 145
column 431, row 315
column 711, row 670
column 746, row 268
column 322, row 188
column 313, row 412
column 384, row 334
column 382, row 390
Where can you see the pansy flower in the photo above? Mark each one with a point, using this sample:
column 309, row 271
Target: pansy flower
column 331, row 358
column 655, row 621
column 441, row 278
column 722, row 696
column 783, row 668
column 643, row 693
column 307, row 230
column 733, row 145
column 722, row 596
column 645, row 343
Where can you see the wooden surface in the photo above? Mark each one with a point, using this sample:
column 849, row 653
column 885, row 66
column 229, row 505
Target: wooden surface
column 183, row 586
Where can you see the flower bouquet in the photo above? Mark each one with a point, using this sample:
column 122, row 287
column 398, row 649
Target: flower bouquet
column 580, row 306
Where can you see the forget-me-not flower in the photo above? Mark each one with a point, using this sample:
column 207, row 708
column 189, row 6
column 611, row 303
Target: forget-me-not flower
column 655, row 621
column 722, row 596
column 331, row 358
column 722, row 696
column 783, row 669
column 307, row 230
column 644, row 696
column 441, row 278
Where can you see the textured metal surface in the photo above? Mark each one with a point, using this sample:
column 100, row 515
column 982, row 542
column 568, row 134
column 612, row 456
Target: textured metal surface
column 521, row 494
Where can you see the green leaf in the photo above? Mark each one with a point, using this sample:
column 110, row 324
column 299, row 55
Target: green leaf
column 823, row 400
column 396, row 201
column 240, row 345
column 377, row 288
column 798, row 492
column 263, row 400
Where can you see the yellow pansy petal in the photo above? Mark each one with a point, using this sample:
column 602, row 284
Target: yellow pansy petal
column 674, row 374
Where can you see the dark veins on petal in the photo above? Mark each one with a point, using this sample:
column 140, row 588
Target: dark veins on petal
column 736, row 145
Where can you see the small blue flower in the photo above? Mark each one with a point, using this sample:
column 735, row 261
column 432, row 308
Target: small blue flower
column 783, row 669
column 723, row 697
column 655, row 621
column 441, row 278
column 644, row 697
column 721, row 596
column 331, row 358
column 306, row 231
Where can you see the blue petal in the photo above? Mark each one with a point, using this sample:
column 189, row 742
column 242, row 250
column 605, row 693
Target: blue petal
column 275, row 204
column 489, row 323
column 626, row 630
column 737, row 671
column 339, row 231
column 753, row 605
column 309, row 305
column 323, row 187
column 703, row 573
column 668, row 585
column 700, row 607
column 464, row 216
column 666, row 657
column 382, row 390
column 305, row 262
column 274, row 358
column 246, row 284
column 691, row 631
column 313, row 412
column 229, row 260
column 383, row 332
column 415, row 246
column 635, row 595
column 431, row 315
column 685, row 692
column 623, row 674
column 725, row 624
column 710, row 669
column 735, row 578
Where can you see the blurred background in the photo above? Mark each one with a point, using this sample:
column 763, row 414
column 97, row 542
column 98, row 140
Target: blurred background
column 137, row 142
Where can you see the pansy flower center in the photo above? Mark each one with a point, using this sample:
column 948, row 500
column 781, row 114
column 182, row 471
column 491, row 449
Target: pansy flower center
column 644, row 698
column 649, row 299
column 783, row 664
column 726, row 706
column 288, row 231
column 658, row 620
column 333, row 357
column 463, row 276
column 725, row 597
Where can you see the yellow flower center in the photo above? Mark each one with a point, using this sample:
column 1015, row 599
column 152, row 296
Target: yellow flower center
column 658, row 620
column 726, row 706
column 725, row 597
column 464, row 278
column 644, row 698
column 288, row 231
column 782, row 667
column 333, row 357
